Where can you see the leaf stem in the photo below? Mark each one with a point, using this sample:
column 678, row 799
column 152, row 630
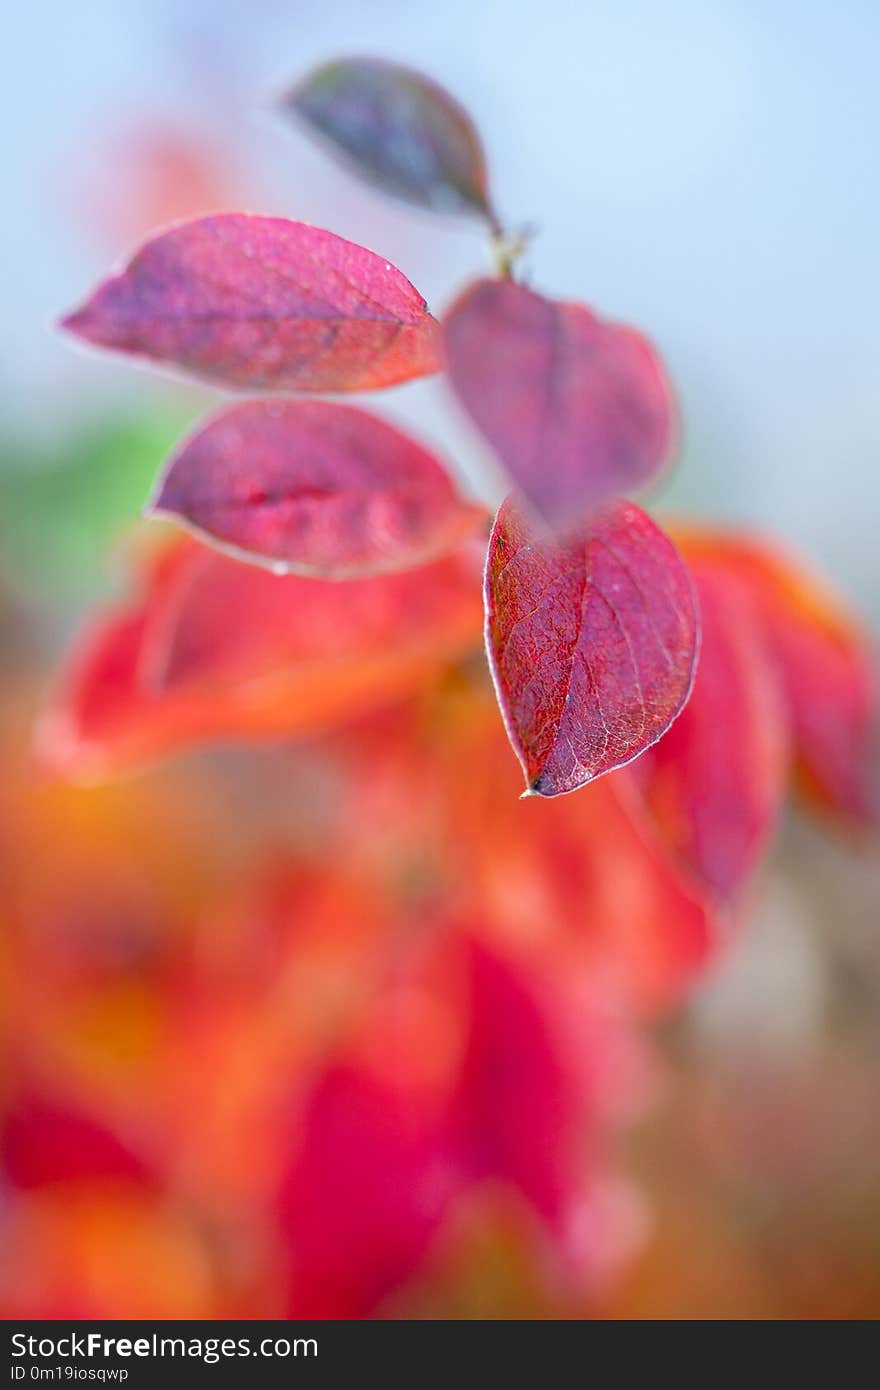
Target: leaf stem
column 507, row 247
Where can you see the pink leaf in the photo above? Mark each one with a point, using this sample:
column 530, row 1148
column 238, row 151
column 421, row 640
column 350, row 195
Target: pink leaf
column 317, row 488
column 578, row 410
column 261, row 302
column 592, row 643
column 398, row 130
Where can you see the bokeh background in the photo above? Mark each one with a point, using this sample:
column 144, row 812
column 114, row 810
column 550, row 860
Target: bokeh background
column 701, row 169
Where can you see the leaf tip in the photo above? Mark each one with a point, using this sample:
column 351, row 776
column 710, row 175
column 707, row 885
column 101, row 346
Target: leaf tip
column 160, row 503
column 532, row 790
column 152, row 510
column 75, row 322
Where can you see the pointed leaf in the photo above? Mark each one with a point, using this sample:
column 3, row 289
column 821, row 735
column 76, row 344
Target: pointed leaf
column 827, row 667
column 716, row 782
column 578, row 410
column 261, row 302
column 398, row 130
column 316, row 488
column 592, row 643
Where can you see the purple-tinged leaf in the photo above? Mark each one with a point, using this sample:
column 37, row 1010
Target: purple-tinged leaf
column 578, row 410
column 398, row 130
column 264, row 303
column 315, row 488
column 592, row 642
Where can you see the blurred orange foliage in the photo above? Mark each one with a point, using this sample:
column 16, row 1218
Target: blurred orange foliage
column 369, row 1034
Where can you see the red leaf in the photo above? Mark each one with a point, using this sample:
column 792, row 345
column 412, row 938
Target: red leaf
column 219, row 649
column 716, row 782
column 262, row 302
column 826, row 663
column 43, row 1141
column 578, row 410
column 398, row 130
column 592, row 643
column 427, row 1108
column 324, row 489
column 366, row 1193
column 513, row 1067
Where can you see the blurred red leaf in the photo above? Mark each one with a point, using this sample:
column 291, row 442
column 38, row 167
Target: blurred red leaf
column 162, row 173
column 592, row 643
column 219, row 649
column 717, row 780
column 514, row 1070
column 320, row 488
column 363, row 1196
column 261, row 302
column 45, row 1141
column 578, row 410
column 383, row 1149
column 826, row 662
column 398, row 130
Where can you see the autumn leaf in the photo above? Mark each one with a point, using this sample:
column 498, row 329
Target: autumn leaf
column 264, row 303
column 397, row 129
column 359, row 1205
column 716, row 782
column 578, row 410
column 516, row 1063
column 826, row 663
column 46, row 1140
column 592, row 643
column 314, row 488
column 217, row 649
column 423, row 1110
